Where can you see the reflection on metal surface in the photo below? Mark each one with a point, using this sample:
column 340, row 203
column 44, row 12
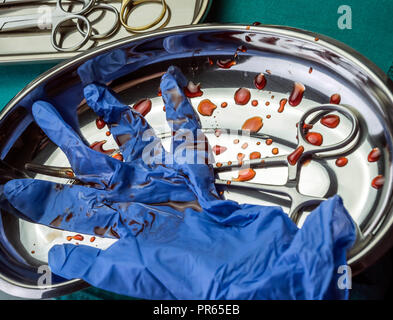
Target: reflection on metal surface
column 336, row 70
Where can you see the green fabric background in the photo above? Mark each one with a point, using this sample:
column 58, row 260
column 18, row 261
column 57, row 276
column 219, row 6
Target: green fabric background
column 371, row 35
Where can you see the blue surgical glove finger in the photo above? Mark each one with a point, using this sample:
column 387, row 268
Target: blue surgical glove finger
column 87, row 210
column 128, row 127
column 317, row 251
column 120, row 268
column 192, row 154
column 179, row 112
column 67, row 207
column 78, row 154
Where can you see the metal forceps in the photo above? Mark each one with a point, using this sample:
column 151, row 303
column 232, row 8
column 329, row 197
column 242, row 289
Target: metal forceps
column 57, row 18
column 304, row 150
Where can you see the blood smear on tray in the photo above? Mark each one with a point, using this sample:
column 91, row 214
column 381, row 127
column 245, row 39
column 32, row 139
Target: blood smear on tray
column 283, row 102
column 260, row 81
column 253, row 124
column 330, row 121
column 335, row 98
column 297, row 94
column 245, row 175
column 206, row 107
column 294, row 157
column 378, row 182
column 242, row 96
column 374, row 155
column 341, row 162
column 314, row 138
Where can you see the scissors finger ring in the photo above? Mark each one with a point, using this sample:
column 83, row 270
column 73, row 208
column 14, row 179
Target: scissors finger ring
column 111, row 31
column 128, row 6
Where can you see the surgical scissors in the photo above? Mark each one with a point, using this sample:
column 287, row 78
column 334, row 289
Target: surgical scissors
column 58, row 17
column 293, row 161
column 303, row 150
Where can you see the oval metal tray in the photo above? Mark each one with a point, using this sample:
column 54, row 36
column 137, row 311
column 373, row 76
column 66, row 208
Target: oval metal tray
column 324, row 66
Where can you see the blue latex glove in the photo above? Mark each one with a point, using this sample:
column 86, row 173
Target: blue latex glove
column 210, row 249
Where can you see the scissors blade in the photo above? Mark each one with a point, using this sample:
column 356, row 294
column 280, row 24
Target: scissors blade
column 254, row 163
column 271, row 188
column 16, row 23
column 12, row 2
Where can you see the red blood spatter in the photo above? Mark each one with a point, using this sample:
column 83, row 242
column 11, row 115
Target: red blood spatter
column 267, row 103
column 269, row 142
column 245, row 145
column 219, row 149
column 224, row 105
column 306, row 162
column 378, row 181
column 335, row 98
column 193, row 90
column 159, row 93
column 255, row 155
column 118, row 156
column 240, row 156
column 256, row 23
column 341, row 162
column 247, row 38
column 297, row 94
column 253, row 124
column 283, row 102
column 268, row 116
column 306, row 126
column 92, row 239
column 242, row 48
column 78, row 237
column 275, row 150
column 206, row 107
column 210, row 61
column 330, row 121
column 226, row 64
column 310, row 70
column 98, row 146
column 143, row 106
column 374, row 155
column 100, row 123
column 260, row 81
column 242, row 96
column 245, row 175
column 314, row 138
column 248, row 28
column 254, row 103
column 294, row 157
column 108, row 133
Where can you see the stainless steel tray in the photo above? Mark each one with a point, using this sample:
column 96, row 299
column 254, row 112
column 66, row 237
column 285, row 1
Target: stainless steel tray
column 285, row 56
column 35, row 45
